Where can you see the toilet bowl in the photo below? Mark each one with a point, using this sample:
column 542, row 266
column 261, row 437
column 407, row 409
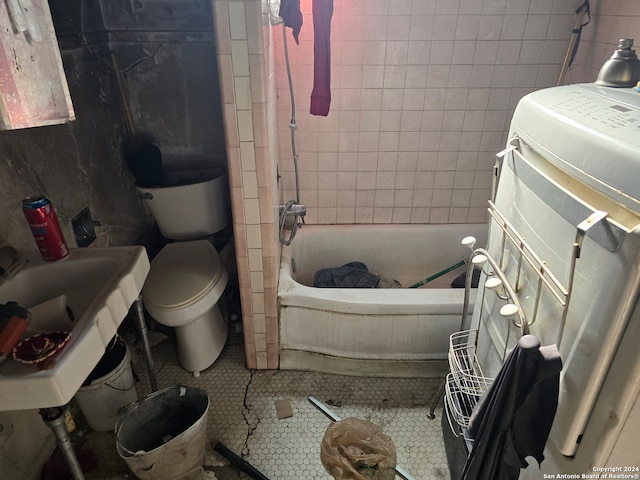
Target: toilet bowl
column 182, row 290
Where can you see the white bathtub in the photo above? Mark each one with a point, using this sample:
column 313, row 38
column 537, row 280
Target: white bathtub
column 382, row 332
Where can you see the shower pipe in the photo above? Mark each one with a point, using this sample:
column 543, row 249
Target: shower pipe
column 292, row 207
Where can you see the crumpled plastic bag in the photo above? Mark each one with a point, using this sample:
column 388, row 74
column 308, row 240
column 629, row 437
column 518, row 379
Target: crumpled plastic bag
column 356, row 449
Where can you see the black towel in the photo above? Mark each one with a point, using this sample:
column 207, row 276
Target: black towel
column 292, row 16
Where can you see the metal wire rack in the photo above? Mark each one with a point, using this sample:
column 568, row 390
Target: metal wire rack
column 464, row 366
column 458, row 406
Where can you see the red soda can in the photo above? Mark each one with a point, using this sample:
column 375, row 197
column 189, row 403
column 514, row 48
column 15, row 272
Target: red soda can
column 43, row 221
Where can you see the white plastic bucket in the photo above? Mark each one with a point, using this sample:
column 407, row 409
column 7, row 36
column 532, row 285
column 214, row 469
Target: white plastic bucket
column 105, row 397
column 162, row 436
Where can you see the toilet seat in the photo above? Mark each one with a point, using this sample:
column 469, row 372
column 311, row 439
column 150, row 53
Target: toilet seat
column 182, row 273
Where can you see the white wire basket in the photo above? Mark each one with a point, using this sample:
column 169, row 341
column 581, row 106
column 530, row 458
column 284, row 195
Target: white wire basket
column 463, row 363
column 458, row 407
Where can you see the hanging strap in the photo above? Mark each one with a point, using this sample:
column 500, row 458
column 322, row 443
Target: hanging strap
column 578, row 31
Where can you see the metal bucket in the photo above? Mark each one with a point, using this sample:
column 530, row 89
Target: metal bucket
column 162, row 436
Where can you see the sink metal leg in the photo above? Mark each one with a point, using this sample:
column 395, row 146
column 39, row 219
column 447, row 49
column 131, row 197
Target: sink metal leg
column 54, row 418
column 142, row 327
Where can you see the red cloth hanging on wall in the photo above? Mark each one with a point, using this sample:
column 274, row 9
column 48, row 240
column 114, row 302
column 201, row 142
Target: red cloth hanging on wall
column 321, row 93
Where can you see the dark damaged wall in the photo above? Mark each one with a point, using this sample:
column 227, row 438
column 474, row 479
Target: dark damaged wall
column 79, row 164
column 168, row 57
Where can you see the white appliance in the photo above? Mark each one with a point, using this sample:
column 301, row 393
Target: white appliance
column 565, row 234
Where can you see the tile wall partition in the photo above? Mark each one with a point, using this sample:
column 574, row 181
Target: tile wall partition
column 249, row 109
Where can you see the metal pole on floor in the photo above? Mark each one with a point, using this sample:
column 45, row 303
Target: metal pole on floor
column 142, row 328
column 401, row 472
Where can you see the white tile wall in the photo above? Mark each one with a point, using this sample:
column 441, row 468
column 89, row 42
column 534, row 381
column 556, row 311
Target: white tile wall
column 422, row 91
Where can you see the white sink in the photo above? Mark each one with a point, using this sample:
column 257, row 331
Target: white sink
column 88, row 293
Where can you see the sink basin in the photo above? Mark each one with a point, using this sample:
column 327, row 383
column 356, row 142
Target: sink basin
column 89, row 293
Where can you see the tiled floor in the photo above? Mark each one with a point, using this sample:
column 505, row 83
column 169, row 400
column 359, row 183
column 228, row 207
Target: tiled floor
column 242, row 415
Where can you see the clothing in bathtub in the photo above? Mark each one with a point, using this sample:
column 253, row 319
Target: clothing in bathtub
column 349, row 275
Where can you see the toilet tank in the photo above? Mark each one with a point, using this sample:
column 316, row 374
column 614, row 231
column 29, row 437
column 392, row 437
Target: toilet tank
column 191, row 205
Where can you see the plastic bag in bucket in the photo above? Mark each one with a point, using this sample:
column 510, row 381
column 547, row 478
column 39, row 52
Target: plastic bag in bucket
column 163, row 435
column 357, row 449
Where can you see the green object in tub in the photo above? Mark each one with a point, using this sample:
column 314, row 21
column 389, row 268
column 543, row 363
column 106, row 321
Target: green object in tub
column 439, row 274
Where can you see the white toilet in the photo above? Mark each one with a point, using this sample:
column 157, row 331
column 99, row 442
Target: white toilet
column 187, row 278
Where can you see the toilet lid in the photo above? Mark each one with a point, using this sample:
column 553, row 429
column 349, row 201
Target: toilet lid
column 181, row 273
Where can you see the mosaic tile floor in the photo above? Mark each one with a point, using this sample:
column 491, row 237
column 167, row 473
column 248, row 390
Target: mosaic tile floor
column 242, row 415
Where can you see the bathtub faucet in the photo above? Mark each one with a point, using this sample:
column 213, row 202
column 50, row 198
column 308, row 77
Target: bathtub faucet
column 294, row 209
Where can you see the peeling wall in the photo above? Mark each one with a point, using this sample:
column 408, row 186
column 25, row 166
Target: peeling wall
column 171, row 77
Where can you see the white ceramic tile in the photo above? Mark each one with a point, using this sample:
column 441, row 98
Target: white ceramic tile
column 389, row 141
column 423, row 7
column 541, row 6
column 463, row 180
column 456, row 98
column 434, row 98
column 463, row 52
column 453, row 120
column 444, row 27
column 508, row 51
column 536, row 27
column 387, row 161
column 490, row 27
column 473, row 120
column 375, row 27
column 447, row 164
column 374, row 52
column 382, row 215
column 237, row 23
column 251, row 211
column 394, row 76
column 413, row 99
column 242, row 89
column 372, row 76
column 392, row 99
column 346, row 198
column 240, row 57
column 411, row 120
column 419, row 52
column 441, row 52
column 416, row 76
column 486, row 53
column 467, row 27
column 459, row 76
column 247, row 156
column 368, row 160
column 513, row 27
column 518, row 7
column 371, row 99
column 383, row 198
column 396, row 53
column 398, row 27
column 470, row 7
column 421, row 27
column 385, row 180
column 441, row 198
